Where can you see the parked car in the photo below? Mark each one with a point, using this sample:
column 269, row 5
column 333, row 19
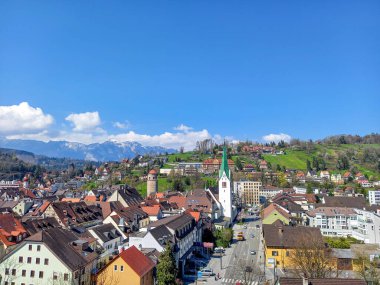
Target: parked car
column 253, row 252
column 207, row 272
column 219, row 250
column 252, row 235
column 245, row 226
column 257, row 226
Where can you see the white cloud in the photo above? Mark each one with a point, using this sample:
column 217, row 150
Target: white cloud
column 119, row 125
column 23, row 118
column 84, row 121
column 277, row 137
column 183, row 128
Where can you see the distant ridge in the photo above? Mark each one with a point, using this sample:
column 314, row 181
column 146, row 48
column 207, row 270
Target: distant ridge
column 107, row 151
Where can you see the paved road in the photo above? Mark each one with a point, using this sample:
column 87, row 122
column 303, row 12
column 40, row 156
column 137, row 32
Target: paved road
column 232, row 265
column 242, row 259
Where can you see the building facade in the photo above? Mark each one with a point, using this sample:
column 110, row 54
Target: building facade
column 248, row 191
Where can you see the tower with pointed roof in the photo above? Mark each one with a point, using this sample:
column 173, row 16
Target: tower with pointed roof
column 225, row 187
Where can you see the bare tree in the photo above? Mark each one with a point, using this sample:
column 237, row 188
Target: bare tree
column 107, row 277
column 311, row 258
column 367, row 269
column 8, row 270
column 248, row 270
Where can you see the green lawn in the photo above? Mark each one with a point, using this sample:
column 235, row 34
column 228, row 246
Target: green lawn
column 293, row 159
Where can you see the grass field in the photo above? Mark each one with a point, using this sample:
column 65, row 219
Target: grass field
column 296, row 159
column 293, row 159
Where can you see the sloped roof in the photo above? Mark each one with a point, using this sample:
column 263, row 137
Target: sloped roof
column 35, row 225
column 137, row 261
column 152, row 210
column 224, row 166
column 60, row 241
column 349, row 202
column 274, row 207
column 10, row 227
column 289, row 236
column 106, row 232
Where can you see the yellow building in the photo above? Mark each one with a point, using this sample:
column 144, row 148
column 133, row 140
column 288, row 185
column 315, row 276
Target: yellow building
column 281, row 240
column 131, row 267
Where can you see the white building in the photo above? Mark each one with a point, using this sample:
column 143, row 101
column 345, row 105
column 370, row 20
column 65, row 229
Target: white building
column 368, row 227
column 333, row 221
column 225, row 189
column 374, row 197
column 269, row 192
column 52, row 256
column 299, row 190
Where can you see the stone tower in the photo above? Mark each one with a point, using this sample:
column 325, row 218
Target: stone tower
column 152, row 183
column 225, row 187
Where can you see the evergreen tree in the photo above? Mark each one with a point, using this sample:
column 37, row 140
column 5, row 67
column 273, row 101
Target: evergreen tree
column 308, row 165
column 238, row 164
column 166, row 268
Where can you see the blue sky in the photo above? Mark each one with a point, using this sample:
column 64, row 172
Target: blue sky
column 95, row 70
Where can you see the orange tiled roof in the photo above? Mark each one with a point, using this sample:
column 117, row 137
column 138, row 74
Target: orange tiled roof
column 195, row 215
column 137, row 261
column 151, row 210
column 73, row 200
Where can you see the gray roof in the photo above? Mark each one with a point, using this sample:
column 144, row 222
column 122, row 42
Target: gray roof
column 106, row 232
column 62, row 243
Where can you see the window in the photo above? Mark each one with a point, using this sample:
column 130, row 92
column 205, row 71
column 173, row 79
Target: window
column 30, row 247
column 20, row 259
column 6, row 283
column 65, row 276
column 115, row 268
column 37, row 260
column 55, row 276
column 224, row 184
column 38, row 247
column 13, row 272
column 41, row 275
column 121, row 268
column 32, row 273
column 287, row 253
column 23, row 273
column 6, row 271
column 46, row 261
column 76, row 274
column 29, row 260
column 275, row 253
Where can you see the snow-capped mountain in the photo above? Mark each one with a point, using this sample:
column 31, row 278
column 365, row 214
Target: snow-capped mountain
column 107, row 151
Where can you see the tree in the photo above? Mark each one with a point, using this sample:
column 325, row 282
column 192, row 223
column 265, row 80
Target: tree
column 367, row 269
column 311, row 259
column 316, row 163
column 224, row 237
column 308, row 165
column 166, row 268
column 309, row 189
column 238, row 164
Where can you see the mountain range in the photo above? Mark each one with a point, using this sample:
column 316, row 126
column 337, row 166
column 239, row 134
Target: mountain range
column 107, row 151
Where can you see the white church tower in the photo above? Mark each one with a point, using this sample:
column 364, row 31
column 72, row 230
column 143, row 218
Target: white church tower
column 225, row 187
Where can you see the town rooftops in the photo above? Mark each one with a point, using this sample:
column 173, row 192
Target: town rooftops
column 274, row 207
column 35, row 225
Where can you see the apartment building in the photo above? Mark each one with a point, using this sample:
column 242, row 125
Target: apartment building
column 374, row 197
column 249, row 191
column 333, row 221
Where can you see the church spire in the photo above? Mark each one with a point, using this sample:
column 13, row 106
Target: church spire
column 224, row 165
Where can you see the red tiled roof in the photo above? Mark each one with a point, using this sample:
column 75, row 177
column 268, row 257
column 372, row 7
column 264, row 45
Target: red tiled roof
column 73, row 200
column 151, row 210
column 90, row 198
column 10, row 226
column 137, row 261
column 195, row 215
column 153, row 171
column 179, row 200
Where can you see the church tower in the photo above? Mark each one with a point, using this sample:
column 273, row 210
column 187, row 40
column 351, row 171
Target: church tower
column 225, row 189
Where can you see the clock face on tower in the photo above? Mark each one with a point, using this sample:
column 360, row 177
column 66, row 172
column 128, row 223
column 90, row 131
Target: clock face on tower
column 224, row 184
